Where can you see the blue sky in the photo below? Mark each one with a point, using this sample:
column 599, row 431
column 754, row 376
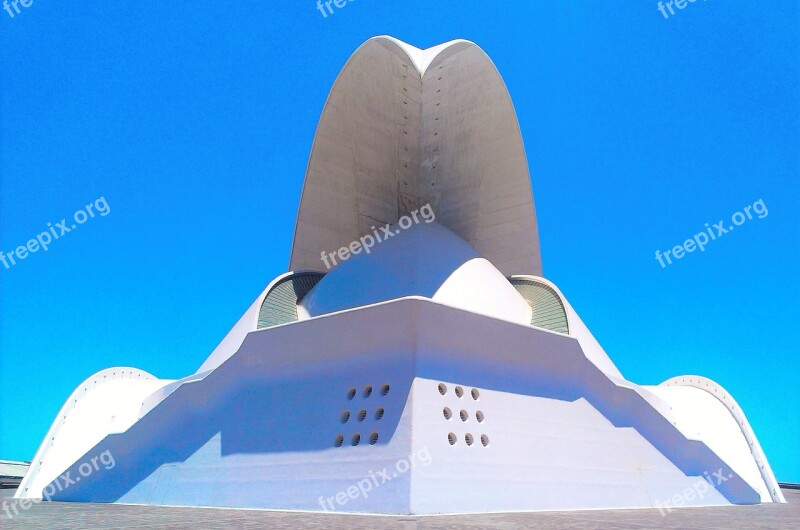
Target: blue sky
column 194, row 121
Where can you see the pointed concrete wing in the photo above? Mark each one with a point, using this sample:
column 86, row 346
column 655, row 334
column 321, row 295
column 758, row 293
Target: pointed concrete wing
column 404, row 127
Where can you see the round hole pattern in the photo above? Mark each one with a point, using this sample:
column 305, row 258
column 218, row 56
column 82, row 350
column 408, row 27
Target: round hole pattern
column 379, row 413
column 452, row 438
column 469, row 439
column 464, row 415
column 459, row 391
column 345, row 416
column 385, row 389
column 447, row 413
column 338, row 441
column 373, row 438
column 475, row 394
column 351, row 393
column 355, row 440
column 484, row 440
column 479, row 416
column 442, row 388
column 367, row 391
column 362, row 414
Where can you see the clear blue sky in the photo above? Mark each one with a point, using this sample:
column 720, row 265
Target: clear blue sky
column 194, row 121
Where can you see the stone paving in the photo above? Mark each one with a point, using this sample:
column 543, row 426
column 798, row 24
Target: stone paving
column 56, row 515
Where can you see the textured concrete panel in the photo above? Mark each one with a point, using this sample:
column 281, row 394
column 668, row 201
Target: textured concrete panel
column 393, row 138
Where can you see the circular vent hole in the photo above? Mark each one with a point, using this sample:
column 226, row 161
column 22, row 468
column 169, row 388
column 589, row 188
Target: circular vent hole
column 464, row 415
column 385, row 389
column 345, row 416
column 357, row 439
column 362, row 414
column 379, row 413
column 367, row 391
column 484, row 440
column 339, row 441
column 468, row 438
column 452, row 438
column 442, row 389
column 479, row 416
column 447, row 413
column 373, row 438
column 351, row 393
column 475, row 394
column 459, row 391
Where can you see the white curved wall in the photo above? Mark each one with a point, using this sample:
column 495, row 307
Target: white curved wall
column 478, row 287
column 390, row 140
column 233, row 340
column 578, row 330
column 108, row 402
column 702, row 405
column 700, row 416
column 427, row 260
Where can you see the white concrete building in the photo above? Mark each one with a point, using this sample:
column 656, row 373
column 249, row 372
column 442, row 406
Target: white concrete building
column 431, row 369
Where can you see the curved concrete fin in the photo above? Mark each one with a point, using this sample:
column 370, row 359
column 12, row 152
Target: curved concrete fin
column 405, row 127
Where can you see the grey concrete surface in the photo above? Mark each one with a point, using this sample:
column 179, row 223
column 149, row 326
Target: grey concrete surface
column 55, row 515
column 390, row 141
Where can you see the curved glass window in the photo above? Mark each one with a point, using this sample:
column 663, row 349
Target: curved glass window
column 280, row 304
column 548, row 310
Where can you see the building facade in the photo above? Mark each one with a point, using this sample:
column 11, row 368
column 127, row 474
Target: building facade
column 414, row 359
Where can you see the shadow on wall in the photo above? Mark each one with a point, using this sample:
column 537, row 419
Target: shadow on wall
column 281, row 392
column 254, row 413
column 415, row 262
column 494, row 354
